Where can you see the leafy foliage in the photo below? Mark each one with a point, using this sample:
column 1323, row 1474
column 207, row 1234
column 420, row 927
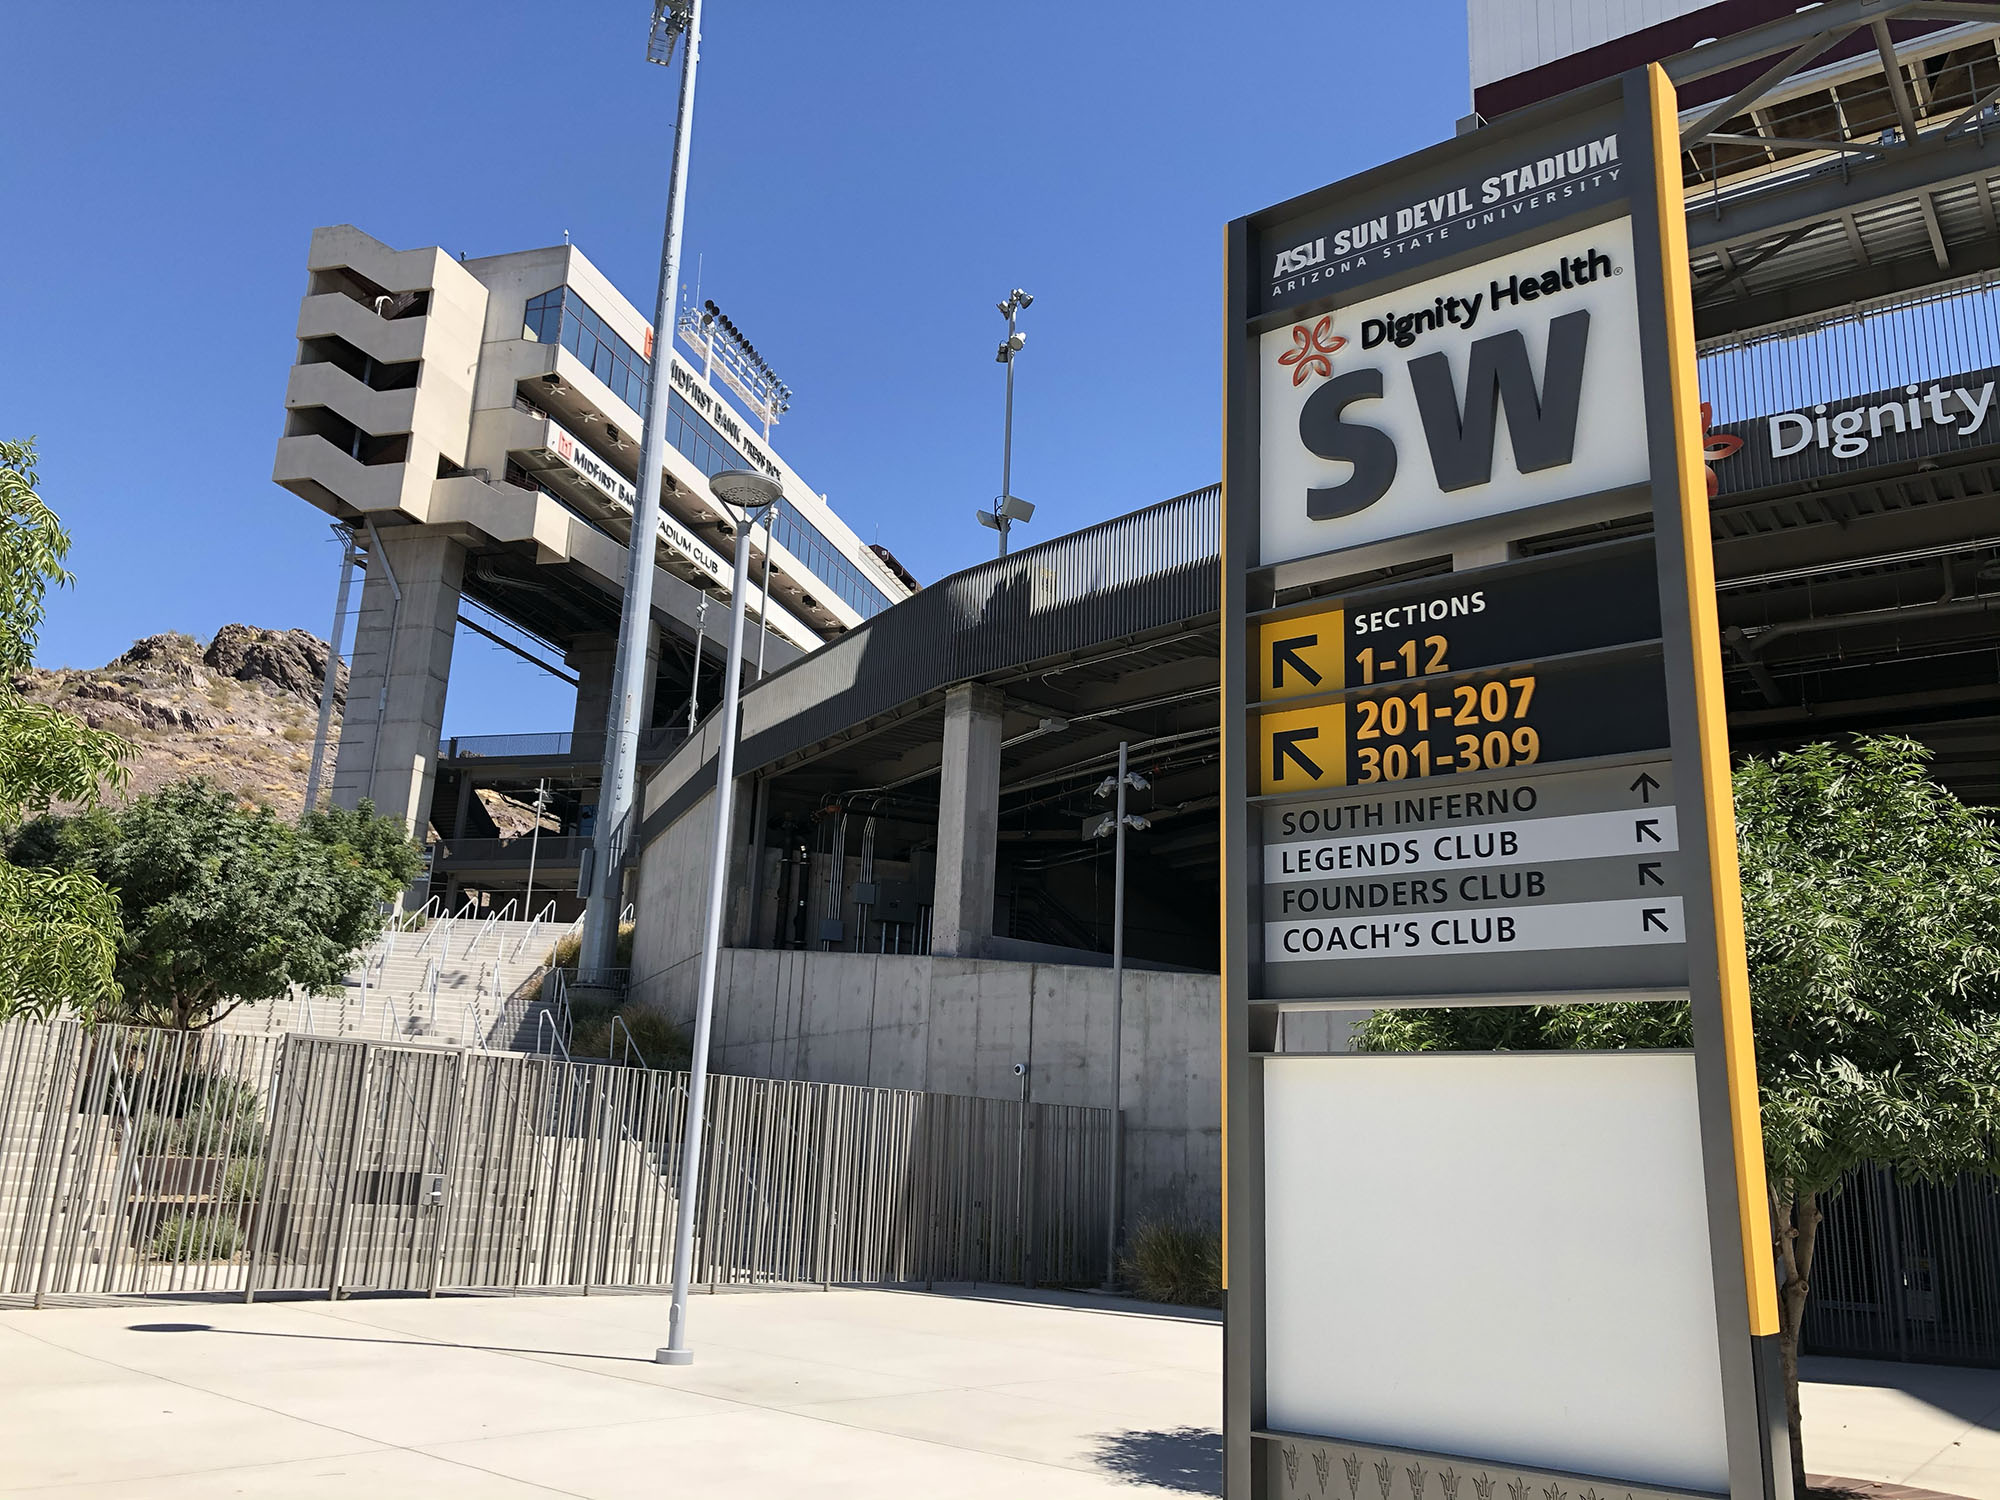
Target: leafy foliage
column 58, row 930
column 1871, row 909
column 223, row 904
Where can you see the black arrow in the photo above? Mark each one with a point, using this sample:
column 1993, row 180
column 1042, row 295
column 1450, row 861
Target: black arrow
column 1288, row 651
column 1645, row 786
column 1649, row 872
column 1644, row 829
column 1285, row 746
column 1653, row 919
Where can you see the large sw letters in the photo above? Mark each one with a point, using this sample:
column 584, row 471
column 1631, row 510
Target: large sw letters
column 1541, row 416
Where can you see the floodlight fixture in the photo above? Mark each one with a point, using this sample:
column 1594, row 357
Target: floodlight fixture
column 1007, row 509
column 670, row 19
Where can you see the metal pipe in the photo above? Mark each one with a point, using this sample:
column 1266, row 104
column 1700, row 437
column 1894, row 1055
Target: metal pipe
column 1007, row 441
column 677, row 1351
column 621, row 749
column 694, row 672
column 1117, row 1025
column 764, row 604
column 326, row 687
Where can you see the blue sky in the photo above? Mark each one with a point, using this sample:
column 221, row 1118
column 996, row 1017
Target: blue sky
column 868, row 181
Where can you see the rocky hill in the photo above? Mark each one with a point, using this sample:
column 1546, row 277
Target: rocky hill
column 239, row 710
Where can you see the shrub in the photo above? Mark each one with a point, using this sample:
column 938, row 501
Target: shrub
column 220, row 1116
column 660, row 1041
column 243, row 1180
column 196, row 1237
column 565, row 953
column 1174, row 1260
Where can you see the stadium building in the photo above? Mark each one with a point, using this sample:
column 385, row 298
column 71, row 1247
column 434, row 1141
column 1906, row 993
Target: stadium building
column 472, row 427
column 919, row 896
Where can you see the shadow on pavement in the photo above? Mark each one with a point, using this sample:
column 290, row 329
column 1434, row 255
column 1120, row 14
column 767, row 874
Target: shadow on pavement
column 1174, row 1458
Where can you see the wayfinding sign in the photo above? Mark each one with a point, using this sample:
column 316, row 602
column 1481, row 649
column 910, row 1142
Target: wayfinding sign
column 1499, row 777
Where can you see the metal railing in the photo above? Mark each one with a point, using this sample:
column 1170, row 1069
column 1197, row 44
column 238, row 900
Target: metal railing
column 136, row 1162
column 555, row 745
column 631, row 1046
column 1907, row 1270
column 545, row 1029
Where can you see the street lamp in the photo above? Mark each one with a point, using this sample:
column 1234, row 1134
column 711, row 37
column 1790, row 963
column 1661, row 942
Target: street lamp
column 541, row 805
column 753, row 494
column 1007, row 506
column 1118, row 823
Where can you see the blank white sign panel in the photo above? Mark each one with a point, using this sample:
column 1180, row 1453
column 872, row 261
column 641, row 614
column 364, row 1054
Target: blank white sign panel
column 1495, row 1254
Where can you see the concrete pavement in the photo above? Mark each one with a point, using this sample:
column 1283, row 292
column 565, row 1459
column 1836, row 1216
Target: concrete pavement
column 845, row 1393
column 1932, row 1427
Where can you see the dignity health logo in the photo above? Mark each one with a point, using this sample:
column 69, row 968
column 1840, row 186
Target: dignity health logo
column 1312, row 348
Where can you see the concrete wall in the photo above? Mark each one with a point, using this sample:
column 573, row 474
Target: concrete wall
column 959, row 1026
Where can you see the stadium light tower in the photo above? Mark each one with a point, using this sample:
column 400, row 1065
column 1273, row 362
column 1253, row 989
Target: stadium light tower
column 604, row 875
column 1007, row 506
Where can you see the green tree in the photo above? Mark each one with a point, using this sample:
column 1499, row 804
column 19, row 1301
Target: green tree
column 1871, row 910
column 224, row 904
column 58, row 929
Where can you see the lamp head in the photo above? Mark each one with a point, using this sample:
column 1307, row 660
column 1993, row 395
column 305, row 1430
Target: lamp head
column 744, row 489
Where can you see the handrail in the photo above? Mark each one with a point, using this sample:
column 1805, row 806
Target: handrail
column 533, row 931
column 440, row 929
column 630, row 911
column 431, row 977
column 561, row 997
column 547, row 1021
column 407, row 921
column 479, row 936
column 631, row 1046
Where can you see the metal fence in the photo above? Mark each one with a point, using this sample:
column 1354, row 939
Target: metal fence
column 1869, row 347
column 137, row 1162
column 1908, row 1271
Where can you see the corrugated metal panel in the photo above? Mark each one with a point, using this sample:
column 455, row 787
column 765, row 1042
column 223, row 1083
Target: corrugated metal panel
column 1135, row 573
column 1146, row 571
column 1511, row 36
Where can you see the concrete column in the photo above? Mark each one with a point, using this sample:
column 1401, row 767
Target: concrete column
column 593, row 658
column 400, row 670
column 968, row 822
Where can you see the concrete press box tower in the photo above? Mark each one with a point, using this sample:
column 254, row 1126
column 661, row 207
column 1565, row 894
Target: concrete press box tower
column 1500, row 1276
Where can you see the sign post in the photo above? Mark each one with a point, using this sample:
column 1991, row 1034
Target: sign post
column 1474, row 754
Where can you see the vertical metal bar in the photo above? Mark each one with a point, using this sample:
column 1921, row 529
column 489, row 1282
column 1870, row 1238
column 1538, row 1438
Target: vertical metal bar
column 327, row 685
column 349, row 1165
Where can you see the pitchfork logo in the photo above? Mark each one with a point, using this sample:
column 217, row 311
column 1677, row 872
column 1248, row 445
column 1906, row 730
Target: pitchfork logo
column 1715, row 446
column 1311, row 348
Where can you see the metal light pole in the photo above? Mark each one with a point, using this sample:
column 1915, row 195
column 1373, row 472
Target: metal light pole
column 1007, row 506
column 535, row 846
column 348, row 554
column 671, row 18
column 751, row 493
column 1119, row 821
column 764, row 601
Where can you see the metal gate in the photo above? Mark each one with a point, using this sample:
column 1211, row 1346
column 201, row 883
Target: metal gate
column 136, row 1162
column 1908, row 1271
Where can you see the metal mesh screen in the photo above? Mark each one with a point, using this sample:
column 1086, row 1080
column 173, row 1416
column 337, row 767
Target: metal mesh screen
column 151, row 1162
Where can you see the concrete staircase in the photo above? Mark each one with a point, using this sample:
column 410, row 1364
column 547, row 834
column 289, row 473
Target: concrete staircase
column 459, row 981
